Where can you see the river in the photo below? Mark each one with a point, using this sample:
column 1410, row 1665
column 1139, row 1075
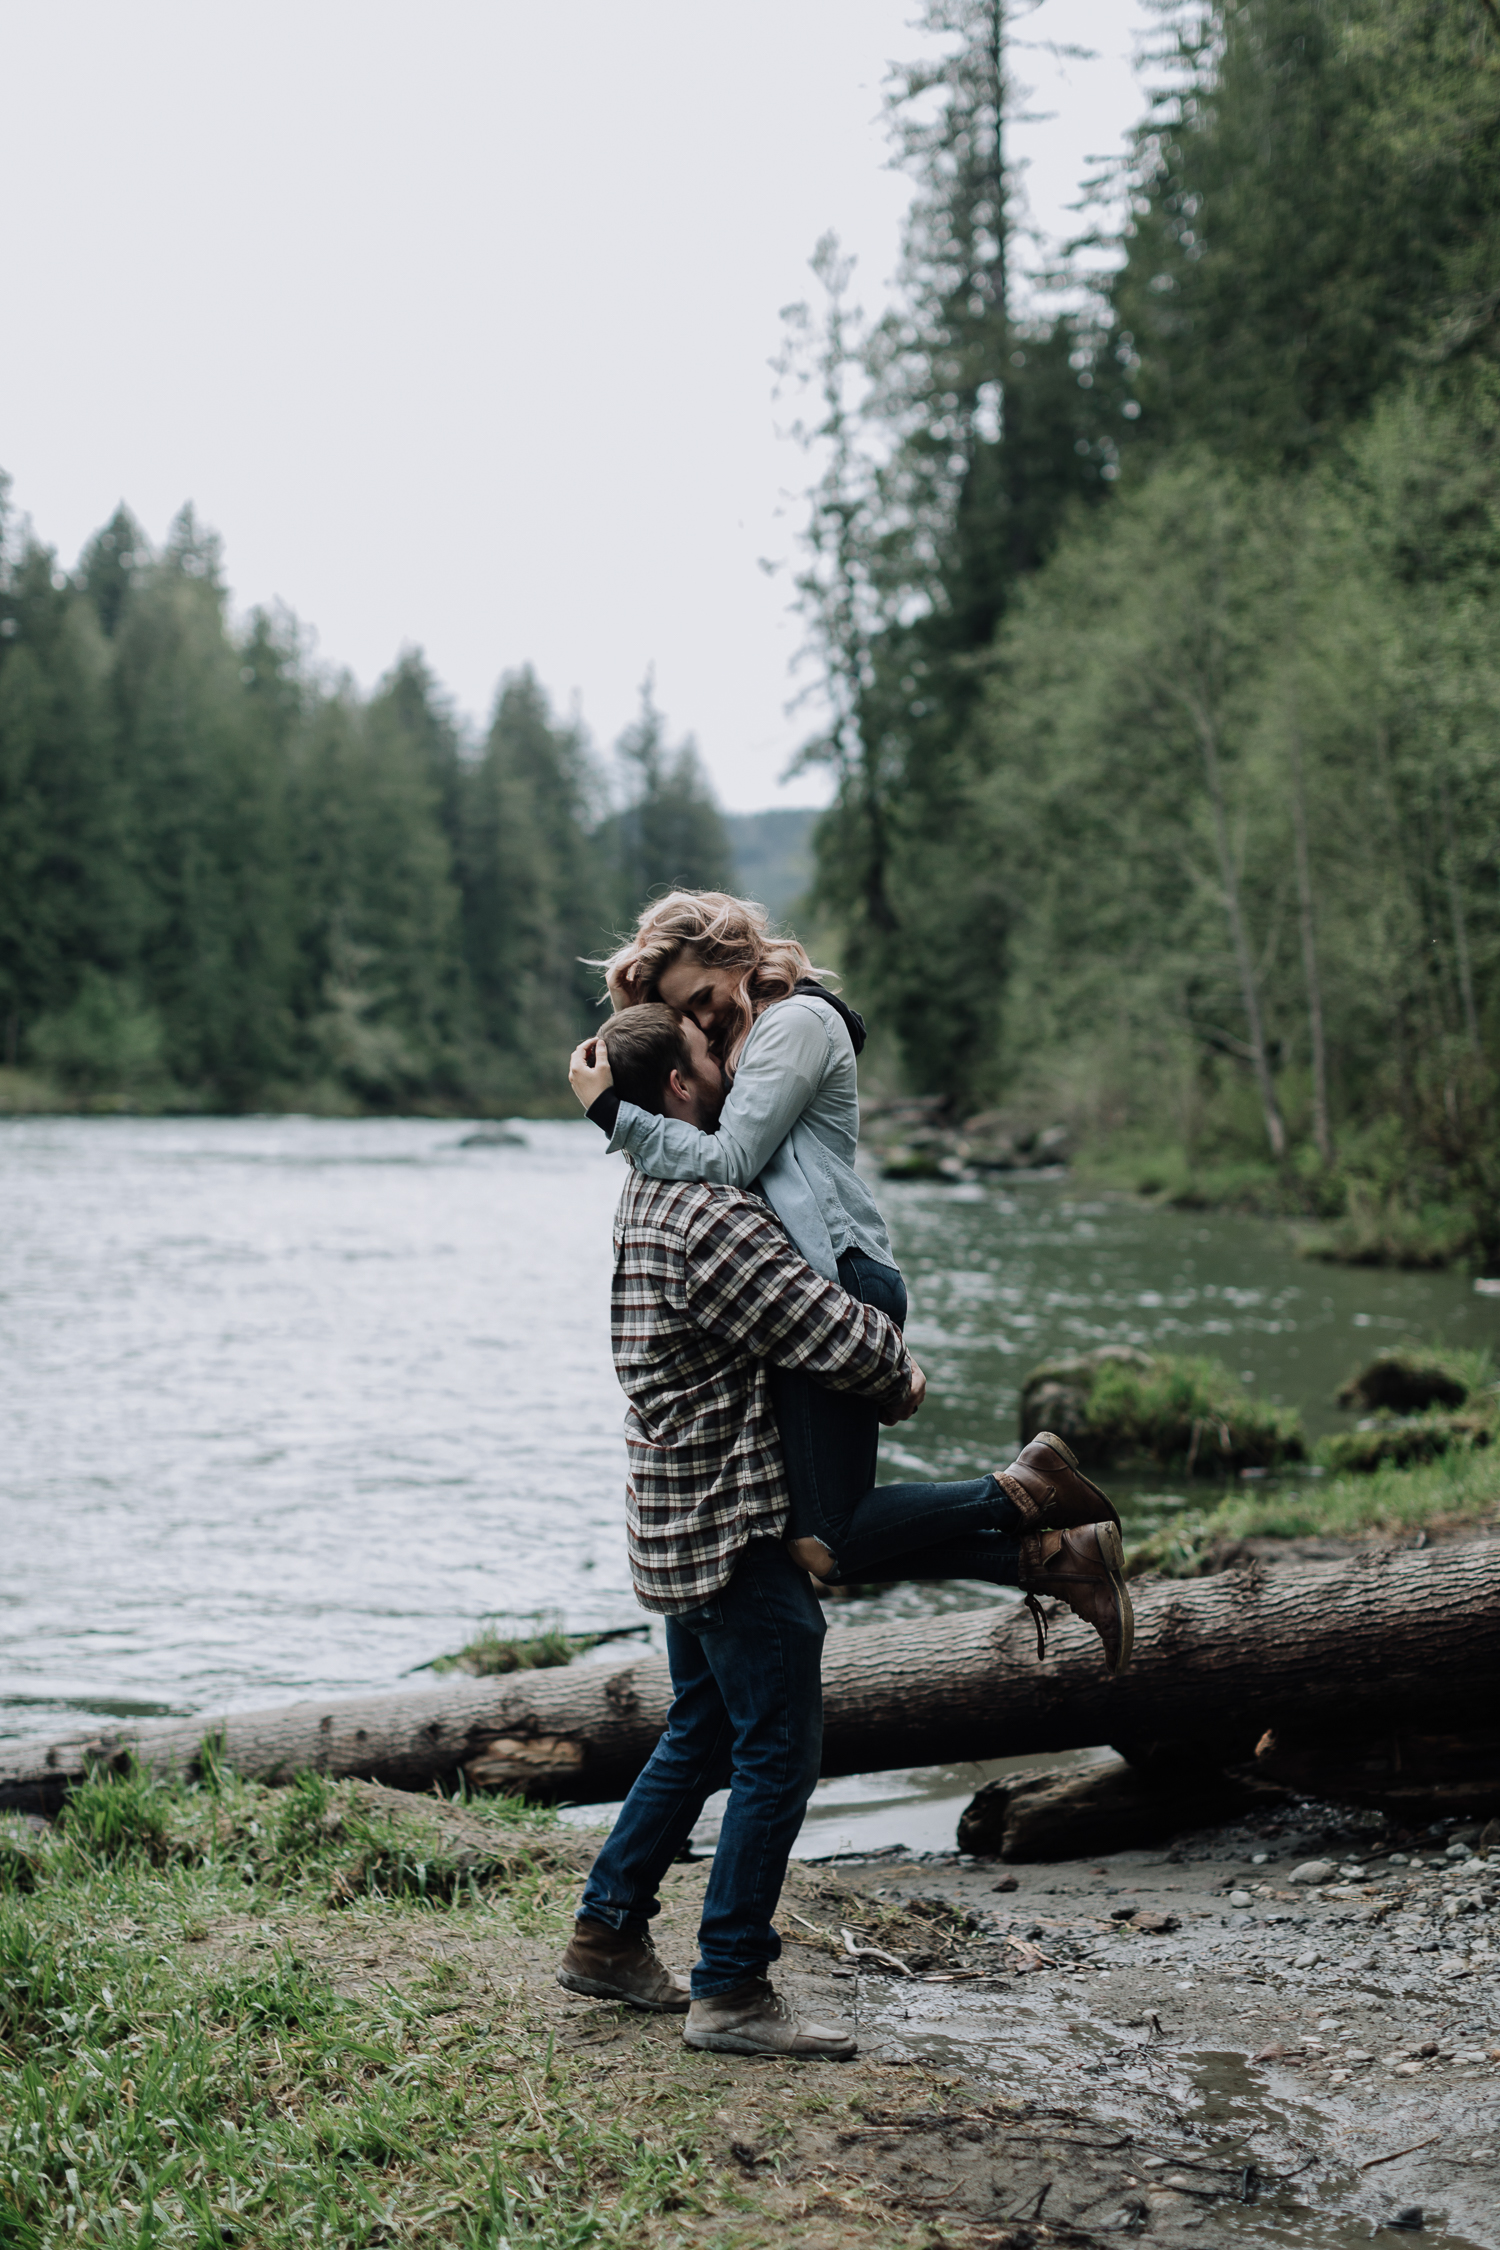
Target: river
column 291, row 1403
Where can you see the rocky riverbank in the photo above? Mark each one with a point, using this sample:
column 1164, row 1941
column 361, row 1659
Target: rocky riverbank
column 1179, row 2041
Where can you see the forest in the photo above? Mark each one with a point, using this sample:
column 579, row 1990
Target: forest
column 227, row 881
column 1152, row 615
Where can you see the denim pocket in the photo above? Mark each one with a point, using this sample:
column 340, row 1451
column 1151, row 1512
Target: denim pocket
column 703, row 1619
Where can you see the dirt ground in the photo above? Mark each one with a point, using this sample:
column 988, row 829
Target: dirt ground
column 1181, row 2044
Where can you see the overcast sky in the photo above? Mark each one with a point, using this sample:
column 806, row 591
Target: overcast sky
column 454, row 319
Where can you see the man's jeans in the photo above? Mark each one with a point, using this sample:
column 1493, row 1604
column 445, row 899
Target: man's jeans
column 881, row 1533
column 747, row 1709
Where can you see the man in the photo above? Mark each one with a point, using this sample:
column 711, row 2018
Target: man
column 707, row 1293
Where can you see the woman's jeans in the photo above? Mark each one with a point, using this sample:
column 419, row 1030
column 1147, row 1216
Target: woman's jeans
column 881, row 1533
column 747, row 1709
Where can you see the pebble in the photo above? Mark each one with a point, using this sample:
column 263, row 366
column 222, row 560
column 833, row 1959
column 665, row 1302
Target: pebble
column 1313, row 1871
column 1240, row 1898
column 1308, row 1959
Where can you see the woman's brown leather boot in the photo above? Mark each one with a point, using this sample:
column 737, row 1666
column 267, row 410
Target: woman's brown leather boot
column 1049, row 1490
column 1086, row 1569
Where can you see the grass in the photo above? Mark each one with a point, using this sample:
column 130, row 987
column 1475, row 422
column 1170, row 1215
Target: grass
column 1173, row 1411
column 325, row 2015
column 1458, row 1489
column 1421, row 1401
column 493, row 1652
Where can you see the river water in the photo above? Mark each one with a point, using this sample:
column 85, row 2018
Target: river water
column 289, row 1403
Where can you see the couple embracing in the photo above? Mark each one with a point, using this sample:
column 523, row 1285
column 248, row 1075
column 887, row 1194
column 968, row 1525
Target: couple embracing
column 757, row 1316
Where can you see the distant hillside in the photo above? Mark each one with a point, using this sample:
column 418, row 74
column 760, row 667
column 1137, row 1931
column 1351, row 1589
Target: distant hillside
column 772, row 856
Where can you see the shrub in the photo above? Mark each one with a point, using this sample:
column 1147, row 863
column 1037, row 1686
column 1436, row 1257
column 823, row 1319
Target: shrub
column 1118, row 1404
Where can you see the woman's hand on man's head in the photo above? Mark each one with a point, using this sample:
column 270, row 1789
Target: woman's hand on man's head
column 588, row 1070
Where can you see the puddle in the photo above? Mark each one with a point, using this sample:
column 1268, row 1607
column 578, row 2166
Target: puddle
column 1247, row 2161
column 871, row 1813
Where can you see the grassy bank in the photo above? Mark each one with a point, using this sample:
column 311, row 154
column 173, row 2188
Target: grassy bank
column 1458, row 1491
column 1339, row 1215
column 327, row 2015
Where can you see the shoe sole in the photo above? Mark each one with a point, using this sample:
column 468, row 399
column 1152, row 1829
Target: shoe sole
column 1112, row 1554
column 1050, row 1437
column 736, row 2043
column 593, row 1988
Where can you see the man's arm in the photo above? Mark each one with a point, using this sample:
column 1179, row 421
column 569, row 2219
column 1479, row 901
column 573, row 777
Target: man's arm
column 744, row 1281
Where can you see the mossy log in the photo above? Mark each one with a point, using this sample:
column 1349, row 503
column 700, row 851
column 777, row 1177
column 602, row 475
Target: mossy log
column 1381, row 1639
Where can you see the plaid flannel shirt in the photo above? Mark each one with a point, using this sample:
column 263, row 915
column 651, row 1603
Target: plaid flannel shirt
column 707, row 1290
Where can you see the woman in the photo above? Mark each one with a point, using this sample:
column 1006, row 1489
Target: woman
column 790, row 1127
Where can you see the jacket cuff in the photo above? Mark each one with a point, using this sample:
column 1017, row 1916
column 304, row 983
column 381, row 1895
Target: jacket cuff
column 605, row 1110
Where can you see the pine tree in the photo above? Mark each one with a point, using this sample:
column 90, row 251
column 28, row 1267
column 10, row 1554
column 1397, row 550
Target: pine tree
column 1316, row 215
column 536, row 887
column 67, row 900
column 209, row 820
column 957, row 438
column 669, row 834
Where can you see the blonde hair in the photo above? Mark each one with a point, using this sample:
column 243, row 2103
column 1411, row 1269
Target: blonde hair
column 723, row 933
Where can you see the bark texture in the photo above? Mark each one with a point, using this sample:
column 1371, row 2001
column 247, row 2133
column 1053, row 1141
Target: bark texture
column 1382, row 1639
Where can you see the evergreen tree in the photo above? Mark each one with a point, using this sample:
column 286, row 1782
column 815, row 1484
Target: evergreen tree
column 1316, row 213
column 209, row 815
column 381, row 981
column 67, row 899
column 957, row 437
column 669, row 834
column 409, row 703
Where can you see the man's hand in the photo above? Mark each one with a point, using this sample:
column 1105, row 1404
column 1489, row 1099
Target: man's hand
column 912, row 1402
column 588, row 1070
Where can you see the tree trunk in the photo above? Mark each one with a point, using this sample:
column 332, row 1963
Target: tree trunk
column 1460, row 924
column 1239, row 937
column 1322, row 1132
column 1384, row 1638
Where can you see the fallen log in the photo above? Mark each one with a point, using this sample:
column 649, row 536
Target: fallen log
column 1380, row 1638
column 1065, row 1813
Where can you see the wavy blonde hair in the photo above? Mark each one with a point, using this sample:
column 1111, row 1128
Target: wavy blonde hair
column 721, row 932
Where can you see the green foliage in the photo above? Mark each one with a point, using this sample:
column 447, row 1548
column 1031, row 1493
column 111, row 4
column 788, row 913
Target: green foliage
column 1457, row 1490
column 1189, row 1414
column 1316, row 209
column 955, row 438
column 1397, row 1441
column 228, row 881
column 181, row 2063
column 669, row 835
column 1408, row 1378
column 1408, row 1395
column 1174, row 817
column 118, row 1815
column 103, row 1038
column 492, row 1652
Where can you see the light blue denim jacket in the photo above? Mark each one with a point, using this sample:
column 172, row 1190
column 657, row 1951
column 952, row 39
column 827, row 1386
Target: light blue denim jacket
column 789, row 1129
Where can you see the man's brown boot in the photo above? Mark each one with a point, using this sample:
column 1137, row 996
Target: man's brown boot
column 621, row 1965
column 1050, row 1491
column 1086, row 1569
column 755, row 2020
